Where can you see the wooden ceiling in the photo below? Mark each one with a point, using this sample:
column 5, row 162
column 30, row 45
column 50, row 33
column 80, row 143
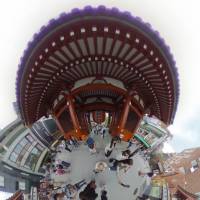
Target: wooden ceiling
column 96, row 42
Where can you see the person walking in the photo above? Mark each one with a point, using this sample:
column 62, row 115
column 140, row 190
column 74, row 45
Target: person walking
column 80, row 184
column 100, row 167
column 131, row 142
column 103, row 131
column 74, row 142
column 64, row 142
column 147, row 189
column 149, row 174
column 65, row 164
column 109, row 148
column 72, row 190
column 60, row 170
column 121, row 164
column 104, row 195
column 128, row 154
column 89, row 192
column 62, row 163
column 91, row 145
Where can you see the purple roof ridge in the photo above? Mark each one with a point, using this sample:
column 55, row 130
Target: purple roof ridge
column 94, row 11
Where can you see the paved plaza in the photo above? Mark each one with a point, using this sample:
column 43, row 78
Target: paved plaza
column 83, row 163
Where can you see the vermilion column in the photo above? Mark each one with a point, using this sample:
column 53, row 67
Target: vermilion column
column 58, row 124
column 72, row 112
column 139, row 114
column 124, row 114
column 113, row 120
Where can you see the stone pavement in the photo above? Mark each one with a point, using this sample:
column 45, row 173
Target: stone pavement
column 83, row 163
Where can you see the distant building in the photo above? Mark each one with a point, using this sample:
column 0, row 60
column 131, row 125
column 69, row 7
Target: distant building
column 187, row 166
column 45, row 130
column 152, row 133
column 22, row 151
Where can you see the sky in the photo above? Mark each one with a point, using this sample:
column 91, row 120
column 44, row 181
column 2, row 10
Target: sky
column 176, row 20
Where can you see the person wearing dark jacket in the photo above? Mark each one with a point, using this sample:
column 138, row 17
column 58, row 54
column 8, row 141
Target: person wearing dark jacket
column 104, row 195
column 109, row 148
column 120, row 164
column 89, row 192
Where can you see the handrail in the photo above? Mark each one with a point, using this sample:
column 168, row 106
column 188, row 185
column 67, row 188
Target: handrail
column 186, row 193
column 17, row 196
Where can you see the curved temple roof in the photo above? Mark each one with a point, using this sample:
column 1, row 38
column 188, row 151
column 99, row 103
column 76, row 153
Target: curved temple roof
column 97, row 42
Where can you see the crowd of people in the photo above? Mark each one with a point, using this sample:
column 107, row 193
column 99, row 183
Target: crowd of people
column 86, row 190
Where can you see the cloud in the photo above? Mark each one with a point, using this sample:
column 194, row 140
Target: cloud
column 186, row 131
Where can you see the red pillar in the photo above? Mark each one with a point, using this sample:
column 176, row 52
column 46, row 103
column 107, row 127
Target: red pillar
column 139, row 114
column 73, row 114
column 59, row 125
column 124, row 114
column 112, row 123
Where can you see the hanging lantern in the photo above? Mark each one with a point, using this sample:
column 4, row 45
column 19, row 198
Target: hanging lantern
column 99, row 116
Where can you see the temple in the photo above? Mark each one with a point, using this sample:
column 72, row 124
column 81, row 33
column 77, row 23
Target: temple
column 92, row 72
column 96, row 63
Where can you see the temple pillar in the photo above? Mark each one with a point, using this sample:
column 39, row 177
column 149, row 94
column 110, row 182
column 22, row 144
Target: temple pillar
column 140, row 116
column 112, row 123
column 59, row 125
column 124, row 115
column 73, row 115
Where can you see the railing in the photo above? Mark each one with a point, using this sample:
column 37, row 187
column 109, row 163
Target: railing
column 187, row 194
column 17, row 196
